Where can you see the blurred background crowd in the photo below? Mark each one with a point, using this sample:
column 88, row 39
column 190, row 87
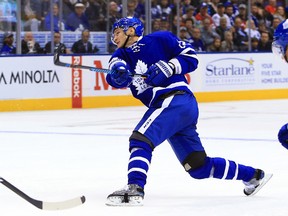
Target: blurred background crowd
column 209, row 25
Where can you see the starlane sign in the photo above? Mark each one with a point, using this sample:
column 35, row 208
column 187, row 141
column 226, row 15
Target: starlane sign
column 230, row 71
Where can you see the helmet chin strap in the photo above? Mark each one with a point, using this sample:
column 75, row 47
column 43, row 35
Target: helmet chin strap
column 128, row 36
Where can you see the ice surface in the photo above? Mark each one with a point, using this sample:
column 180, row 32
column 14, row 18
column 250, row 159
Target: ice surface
column 59, row 155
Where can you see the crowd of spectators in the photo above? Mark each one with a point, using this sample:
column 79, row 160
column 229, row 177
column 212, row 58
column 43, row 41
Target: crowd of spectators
column 209, row 25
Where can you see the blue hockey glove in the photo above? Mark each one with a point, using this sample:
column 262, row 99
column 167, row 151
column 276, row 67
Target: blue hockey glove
column 283, row 135
column 120, row 76
column 158, row 73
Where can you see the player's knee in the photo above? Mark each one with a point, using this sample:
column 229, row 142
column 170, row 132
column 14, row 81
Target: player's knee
column 196, row 164
column 194, row 160
column 138, row 140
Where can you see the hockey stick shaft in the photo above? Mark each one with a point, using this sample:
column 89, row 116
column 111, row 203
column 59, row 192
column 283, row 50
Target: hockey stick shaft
column 41, row 204
column 94, row 69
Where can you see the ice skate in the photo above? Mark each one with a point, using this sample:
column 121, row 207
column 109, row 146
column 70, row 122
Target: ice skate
column 130, row 195
column 259, row 179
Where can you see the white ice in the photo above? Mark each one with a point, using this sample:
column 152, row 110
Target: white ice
column 59, row 155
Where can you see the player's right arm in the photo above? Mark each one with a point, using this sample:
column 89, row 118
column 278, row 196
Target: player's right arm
column 120, row 76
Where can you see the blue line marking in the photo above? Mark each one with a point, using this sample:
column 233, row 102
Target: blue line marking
column 127, row 135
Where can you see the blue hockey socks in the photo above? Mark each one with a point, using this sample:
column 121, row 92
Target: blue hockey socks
column 222, row 169
column 138, row 166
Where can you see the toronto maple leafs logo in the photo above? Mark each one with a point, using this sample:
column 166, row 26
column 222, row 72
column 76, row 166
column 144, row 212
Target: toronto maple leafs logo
column 141, row 67
column 138, row 82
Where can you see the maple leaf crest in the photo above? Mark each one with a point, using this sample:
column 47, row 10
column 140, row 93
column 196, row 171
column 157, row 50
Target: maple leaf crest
column 141, row 67
column 139, row 82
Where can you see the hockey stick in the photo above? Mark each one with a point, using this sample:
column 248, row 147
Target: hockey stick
column 45, row 205
column 94, row 69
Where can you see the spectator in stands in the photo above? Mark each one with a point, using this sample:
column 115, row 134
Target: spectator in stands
column 8, row 48
column 239, row 35
column 134, row 10
column 222, row 28
column 271, row 7
column 68, row 7
column 29, row 45
column 155, row 13
column 45, row 9
column 235, row 5
column 57, row 26
column 280, row 13
column 164, row 8
column 255, row 16
column 211, row 10
column 254, row 45
column 184, row 6
column 184, row 36
column 264, row 15
column 208, row 33
column 189, row 14
column 114, row 13
column 77, row 20
column 8, row 15
column 275, row 23
column 31, row 14
column 189, row 24
column 263, row 28
column 265, row 45
column 229, row 12
column 197, row 43
column 177, row 21
column 57, row 43
column 214, row 4
column 84, row 45
column 253, row 31
column 243, row 14
column 220, row 13
column 215, row 46
column 164, row 24
column 95, row 14
column 228, row 45
column 203, row 13
column 156, row 25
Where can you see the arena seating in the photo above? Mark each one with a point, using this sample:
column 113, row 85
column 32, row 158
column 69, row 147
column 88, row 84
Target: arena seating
column 68, row 38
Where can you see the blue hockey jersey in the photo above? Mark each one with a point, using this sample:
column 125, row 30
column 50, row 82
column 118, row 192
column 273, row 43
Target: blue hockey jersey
column 150, row 49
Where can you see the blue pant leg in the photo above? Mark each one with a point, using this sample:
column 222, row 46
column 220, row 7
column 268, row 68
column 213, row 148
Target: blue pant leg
column 158, row 124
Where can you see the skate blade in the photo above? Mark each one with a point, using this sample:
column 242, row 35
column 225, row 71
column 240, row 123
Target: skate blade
column 266, row 178
column 119, row 201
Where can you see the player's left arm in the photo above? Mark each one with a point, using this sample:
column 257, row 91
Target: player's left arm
column 180, row 59
column 186, row 61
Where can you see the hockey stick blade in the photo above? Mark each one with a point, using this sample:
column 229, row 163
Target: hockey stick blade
column 98, row 70
column 45, row 205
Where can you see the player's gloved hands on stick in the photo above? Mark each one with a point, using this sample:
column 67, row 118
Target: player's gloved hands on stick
column 120, row 75
column 158, row 73
column 283, row 135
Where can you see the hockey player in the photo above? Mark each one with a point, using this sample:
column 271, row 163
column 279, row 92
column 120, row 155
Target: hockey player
column 279, row 48
column 172, row 112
